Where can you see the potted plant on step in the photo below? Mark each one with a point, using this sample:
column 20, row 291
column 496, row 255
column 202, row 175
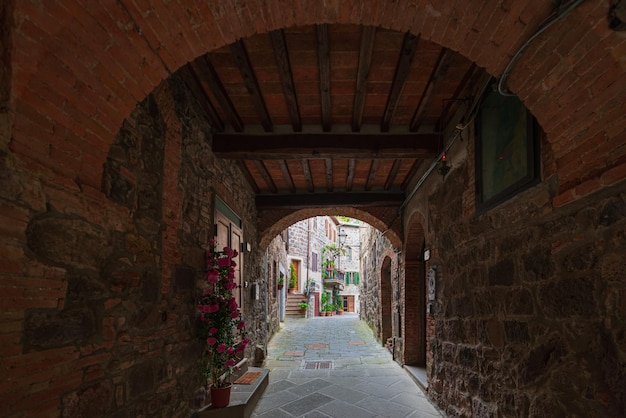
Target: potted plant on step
column 293, row 278
column 303, row 306
column 221, row 328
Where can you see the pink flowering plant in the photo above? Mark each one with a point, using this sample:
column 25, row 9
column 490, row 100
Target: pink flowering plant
column 222, row 330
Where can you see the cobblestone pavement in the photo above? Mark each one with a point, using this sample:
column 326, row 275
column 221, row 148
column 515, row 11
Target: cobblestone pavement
column 333, row 367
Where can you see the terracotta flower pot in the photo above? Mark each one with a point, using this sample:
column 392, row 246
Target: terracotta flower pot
column 280, row 286
column 220, row 397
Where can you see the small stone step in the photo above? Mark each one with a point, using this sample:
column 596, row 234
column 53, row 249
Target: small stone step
column 243, row 399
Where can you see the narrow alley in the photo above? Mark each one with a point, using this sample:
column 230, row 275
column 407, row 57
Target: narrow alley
column 333, row 367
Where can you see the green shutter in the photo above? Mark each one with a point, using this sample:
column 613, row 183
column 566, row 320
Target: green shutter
column 357, row 279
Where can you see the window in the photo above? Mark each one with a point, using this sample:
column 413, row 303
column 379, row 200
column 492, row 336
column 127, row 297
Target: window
column 507, row 150
column 348, row 253
column 313, row 261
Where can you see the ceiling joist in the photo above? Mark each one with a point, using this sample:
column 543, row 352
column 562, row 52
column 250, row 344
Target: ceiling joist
column 409, row 45
column 323, row 56
column 204, row 69
column 240, row 55
column 286, row 77
column 439, row 69
column 368, row 33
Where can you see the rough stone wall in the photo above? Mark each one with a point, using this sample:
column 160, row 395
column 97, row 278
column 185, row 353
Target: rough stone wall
column 276, row 255
column 375, row 247
column 102, row 310
column 529, row 318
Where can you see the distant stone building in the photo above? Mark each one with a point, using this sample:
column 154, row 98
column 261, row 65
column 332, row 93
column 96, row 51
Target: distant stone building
column 306, row 243
column 350, row 262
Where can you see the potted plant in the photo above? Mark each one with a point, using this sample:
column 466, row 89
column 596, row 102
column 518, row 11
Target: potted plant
column 281, row 283
column 304, row 305
column 325, row 310
column 339, row 308
column 221, row 328
column 293, row 278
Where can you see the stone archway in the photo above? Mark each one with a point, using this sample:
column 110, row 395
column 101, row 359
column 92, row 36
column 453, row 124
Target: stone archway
column 86, row 70
column 274, row 222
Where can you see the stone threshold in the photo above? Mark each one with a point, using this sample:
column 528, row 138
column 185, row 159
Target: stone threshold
column 418, row 374
column 243, row 399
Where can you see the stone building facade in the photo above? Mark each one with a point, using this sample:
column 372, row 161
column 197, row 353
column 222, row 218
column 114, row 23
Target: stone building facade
column 350, row 262
column 307, row 239
column 107, row 187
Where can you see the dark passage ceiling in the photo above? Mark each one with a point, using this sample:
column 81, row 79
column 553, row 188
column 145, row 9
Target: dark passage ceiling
column 329, row 115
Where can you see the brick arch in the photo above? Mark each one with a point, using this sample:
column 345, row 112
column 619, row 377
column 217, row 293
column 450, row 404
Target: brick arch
column 76, row 74
column 281, row 220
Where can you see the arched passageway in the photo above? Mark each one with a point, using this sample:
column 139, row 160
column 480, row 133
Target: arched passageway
column 98, row 277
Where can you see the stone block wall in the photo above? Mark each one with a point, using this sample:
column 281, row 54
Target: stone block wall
column 529, row 317
column 276, row 255
column 100, row 320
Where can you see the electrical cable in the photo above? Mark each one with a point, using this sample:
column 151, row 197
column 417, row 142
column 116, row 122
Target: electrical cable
column 549, row 21
column 460, row 127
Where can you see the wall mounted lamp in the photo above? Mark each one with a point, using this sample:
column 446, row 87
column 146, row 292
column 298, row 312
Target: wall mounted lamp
column 443, row 166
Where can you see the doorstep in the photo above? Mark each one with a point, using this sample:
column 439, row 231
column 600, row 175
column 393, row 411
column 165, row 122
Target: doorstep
column 418, row 374
column 243, row 399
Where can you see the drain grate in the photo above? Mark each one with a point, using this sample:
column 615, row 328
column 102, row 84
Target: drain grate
column 318, row 365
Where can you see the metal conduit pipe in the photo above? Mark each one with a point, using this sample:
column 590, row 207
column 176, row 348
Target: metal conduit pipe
column 552, row 19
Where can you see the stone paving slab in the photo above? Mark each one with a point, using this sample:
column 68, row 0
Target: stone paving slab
column 364, row 380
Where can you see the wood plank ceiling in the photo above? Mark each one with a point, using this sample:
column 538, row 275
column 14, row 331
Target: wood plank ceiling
column 329, row 115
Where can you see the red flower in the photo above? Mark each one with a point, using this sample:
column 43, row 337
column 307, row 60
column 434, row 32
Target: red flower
column 220, row 322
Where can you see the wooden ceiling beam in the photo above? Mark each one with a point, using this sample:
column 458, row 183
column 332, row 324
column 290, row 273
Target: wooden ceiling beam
column 266, row 175
column 393, row 173
column 290, row 146
column 287, row 175
column 197, row 90
column 323, row 56
column 439, row 69
column 351, row 172
column 306, row 168
column 248, row 176
column 368, row 34
column 318, row 200
column 286, row 77
column 409, row 46
column 410, row 174
column 453, row 103
column 328, row 163
column 205, row 71
column 372, row 175
column 238, row 49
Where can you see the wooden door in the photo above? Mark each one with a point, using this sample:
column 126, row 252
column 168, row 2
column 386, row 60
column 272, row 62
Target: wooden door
column 229, row 235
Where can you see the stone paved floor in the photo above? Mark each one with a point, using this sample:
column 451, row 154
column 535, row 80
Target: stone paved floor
column 363, row 382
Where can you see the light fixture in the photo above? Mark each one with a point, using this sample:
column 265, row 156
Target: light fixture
column 342, row 236
column 443, row 166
